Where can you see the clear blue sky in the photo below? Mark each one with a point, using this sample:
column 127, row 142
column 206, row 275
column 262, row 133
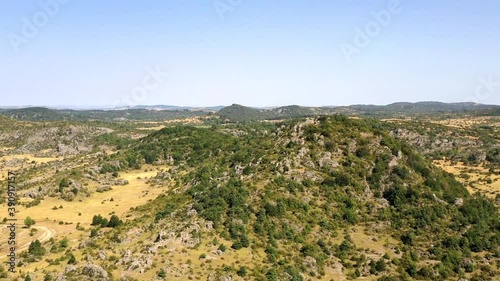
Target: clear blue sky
column 256, row 53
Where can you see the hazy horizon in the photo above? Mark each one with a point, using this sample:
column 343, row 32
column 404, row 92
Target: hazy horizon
column 59, row 53
column 80, row 107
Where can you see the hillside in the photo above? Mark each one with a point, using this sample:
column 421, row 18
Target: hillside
column 34, row 113
column 328, row 198
column 5, row 120
column 292, row 111
column 239, row 113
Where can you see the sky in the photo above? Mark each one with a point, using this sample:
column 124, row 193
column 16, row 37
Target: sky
column 251, row 52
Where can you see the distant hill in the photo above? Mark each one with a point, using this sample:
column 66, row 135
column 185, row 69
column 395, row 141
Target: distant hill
column 34, row 114
column 293, row 111
column 44, row 114
column 240, row 113
column 421, row 107
column 438, row 106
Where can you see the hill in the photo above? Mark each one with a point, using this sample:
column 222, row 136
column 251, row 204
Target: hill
column 238, row 113
column 34, row 114
column 328, row 198
column 292, row 111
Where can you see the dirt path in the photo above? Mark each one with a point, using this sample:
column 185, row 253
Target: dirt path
column 46, row 234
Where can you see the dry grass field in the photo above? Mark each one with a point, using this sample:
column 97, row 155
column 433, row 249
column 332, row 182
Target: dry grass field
column 475, row 178
column 27, row 158
column 58, row 219
column 19, row 161
column 468, row 122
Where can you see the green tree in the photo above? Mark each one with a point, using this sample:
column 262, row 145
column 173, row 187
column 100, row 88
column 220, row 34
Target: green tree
column 222, row 247
column 114, row 221
column 98, row 220
column 36, row 248
column 72, row 259
column 29, row 222
column 48, row 277
column 242, row 272
column 162, row 274
column 64, row 183
column 64, row 243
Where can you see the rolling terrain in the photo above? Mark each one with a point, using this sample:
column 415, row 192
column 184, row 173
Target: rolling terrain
column 228, row 195
column 240, row 113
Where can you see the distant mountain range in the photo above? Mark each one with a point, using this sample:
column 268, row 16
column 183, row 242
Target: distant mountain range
column 238, row 113
column 45, row 114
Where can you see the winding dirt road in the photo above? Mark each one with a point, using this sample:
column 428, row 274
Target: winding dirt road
column 46, row 234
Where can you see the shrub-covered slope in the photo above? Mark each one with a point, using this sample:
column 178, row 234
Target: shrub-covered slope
column 298, row 201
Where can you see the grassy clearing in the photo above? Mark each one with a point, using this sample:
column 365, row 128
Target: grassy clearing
column 374, row 244
column 475, row 178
